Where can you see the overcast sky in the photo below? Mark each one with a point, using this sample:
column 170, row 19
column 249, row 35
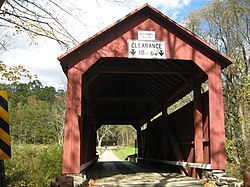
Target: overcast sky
column 95, row 15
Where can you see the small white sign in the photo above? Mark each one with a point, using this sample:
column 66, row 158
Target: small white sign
column 146, row 35
column 146, row 49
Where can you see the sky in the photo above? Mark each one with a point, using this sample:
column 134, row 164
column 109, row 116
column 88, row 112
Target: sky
column 94, row 15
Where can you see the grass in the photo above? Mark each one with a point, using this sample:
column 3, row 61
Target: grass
column 123, row 152
column 100, row 151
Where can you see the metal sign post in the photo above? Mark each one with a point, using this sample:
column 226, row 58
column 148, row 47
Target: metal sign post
column 5, row 151
column 2, row 174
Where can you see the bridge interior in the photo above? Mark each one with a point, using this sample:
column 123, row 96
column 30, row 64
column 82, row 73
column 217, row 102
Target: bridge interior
column 132, row 91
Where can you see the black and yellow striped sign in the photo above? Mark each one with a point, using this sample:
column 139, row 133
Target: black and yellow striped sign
column 5, row 152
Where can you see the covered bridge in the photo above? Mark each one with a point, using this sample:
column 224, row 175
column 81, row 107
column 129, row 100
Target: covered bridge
column 134, row 70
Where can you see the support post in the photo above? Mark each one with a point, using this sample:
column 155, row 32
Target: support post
column 72, row 139
column 216, row 120
column 198, row 126
column 139, row 146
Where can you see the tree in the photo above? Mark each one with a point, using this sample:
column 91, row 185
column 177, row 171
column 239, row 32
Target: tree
column 1, row 3
column 226, row 25
column 36, row 113
column 14, row 74
column 102, row 132
column 38, row 18
column 123, row 135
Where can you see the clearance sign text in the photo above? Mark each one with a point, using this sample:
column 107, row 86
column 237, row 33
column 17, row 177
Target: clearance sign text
column 146, row 49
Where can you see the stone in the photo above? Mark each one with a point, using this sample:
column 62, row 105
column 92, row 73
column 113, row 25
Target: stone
column 246, row 179
column 65, row 181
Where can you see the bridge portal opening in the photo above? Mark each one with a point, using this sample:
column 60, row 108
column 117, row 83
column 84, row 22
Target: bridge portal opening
column 116, row 142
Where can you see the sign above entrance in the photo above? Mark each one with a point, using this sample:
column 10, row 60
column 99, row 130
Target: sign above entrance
column 146, row 49
column 146, row 35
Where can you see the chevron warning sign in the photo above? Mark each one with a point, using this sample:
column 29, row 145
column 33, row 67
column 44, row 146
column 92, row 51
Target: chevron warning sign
column 5, row 151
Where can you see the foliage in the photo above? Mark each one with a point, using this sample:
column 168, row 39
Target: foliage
column 123, row 135
column 33, row 165
column 37, row 119
column 14, row 74
column 226, row 24
column 102, row 133
column 36, row 113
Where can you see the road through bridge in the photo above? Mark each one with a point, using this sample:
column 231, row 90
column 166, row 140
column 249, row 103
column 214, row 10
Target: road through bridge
column 134, row 70
column 111, row 171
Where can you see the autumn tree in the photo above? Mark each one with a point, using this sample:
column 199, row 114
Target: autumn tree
column 226, row 25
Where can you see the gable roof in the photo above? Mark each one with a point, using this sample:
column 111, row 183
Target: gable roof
column 150, row 12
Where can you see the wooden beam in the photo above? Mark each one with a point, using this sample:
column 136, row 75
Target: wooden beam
column 99, row 100
column 166, row 101
column 198, row 126
column 127, row 99
column 115, row 122
column 179, row 163
column 123, row 113
column 92, row 78
column 183, row 77
column 137, row 70
column 88, row 100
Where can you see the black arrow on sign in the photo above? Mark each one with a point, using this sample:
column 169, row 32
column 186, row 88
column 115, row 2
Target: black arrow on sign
column 133, row 52
column 161, row 52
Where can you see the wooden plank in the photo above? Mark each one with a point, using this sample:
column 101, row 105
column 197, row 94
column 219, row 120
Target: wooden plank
column 174, row 142
column 138, row 70
column 180, row 163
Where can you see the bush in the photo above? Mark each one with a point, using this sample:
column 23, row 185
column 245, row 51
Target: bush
column 33, row 165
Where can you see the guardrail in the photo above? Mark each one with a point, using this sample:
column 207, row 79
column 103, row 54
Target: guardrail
column 179, row 163
column 87, row 164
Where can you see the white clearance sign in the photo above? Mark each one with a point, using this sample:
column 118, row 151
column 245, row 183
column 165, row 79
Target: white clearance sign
column 146, row 49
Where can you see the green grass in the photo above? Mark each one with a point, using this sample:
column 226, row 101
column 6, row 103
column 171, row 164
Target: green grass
column 123, row 152
column 100, row 151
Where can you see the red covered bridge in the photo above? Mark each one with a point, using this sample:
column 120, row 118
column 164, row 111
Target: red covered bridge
column 114, row 78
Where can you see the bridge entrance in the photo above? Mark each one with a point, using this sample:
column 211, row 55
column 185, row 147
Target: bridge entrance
column 110, row 81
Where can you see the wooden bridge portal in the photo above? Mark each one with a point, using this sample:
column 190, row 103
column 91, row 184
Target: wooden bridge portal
column 113, row 78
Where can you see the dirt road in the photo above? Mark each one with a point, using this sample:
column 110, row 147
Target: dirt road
column 108, row 155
